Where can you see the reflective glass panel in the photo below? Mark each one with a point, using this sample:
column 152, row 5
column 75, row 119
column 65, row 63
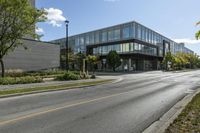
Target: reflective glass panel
column 126, row 32
column 110, row 35
column 139, row 32
column 104, row 36
column 131, row 47
column 116, row 34
column 97, row 37
column 91, row 38
column 87, row 39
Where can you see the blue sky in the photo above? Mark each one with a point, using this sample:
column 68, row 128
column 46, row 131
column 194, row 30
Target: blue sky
column 173, row 18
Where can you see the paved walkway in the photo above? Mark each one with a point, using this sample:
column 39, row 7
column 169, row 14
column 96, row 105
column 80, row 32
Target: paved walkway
column 51, row 83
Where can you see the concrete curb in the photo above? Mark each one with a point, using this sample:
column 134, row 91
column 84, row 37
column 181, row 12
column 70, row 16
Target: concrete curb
column 60, row 89
column 163, row 123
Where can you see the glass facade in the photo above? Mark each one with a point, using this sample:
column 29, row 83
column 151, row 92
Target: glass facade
column 104, row 36
column 126, row 48
column 87, row 39
column 126, row 32
column 113, row 35
column 140, row 48
column 123, row 32
column 97, row 37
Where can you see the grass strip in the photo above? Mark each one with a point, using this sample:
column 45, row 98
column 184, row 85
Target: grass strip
column 189, row 120
column 51, row 88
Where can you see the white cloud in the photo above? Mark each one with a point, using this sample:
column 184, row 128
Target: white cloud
column 187, row 41
column 39, row 30
column 111, row 0
column 55, row 17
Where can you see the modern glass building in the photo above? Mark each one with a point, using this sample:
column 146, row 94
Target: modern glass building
column 140, row 48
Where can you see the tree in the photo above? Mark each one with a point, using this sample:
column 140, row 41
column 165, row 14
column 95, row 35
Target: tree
column 197, row 35
column 71, row 58
column 80, row 57
column 182, row 60
column 92, row 60
column 168, row 59
column 113, row 60
column 193, row 60
column 17, row 20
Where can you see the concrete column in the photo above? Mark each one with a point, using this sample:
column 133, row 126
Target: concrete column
column 122, row 64
column 129, row 66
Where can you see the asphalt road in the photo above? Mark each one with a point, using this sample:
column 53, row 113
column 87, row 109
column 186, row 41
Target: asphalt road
column 128, row 106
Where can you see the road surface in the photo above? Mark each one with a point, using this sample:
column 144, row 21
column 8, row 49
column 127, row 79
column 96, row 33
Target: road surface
column 128, row 106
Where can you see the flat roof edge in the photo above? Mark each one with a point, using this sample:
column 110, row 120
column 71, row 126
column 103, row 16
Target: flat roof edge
column 39, row 41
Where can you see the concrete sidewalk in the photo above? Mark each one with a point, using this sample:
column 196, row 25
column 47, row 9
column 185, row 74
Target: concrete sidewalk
column 52, row 83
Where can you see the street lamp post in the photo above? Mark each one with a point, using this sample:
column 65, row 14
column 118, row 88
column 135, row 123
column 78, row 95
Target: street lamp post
column 67, row 47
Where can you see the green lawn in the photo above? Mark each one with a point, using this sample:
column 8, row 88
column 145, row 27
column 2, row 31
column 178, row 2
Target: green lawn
column 52, row 88
column 189, row 120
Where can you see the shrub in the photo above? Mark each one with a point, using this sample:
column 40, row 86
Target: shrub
column 84, row 75
column 20, row 80
column 16, row 74
column 76, row 72
column 68, row 76
column 46, row 73
column 93, row 76
column 40, row 73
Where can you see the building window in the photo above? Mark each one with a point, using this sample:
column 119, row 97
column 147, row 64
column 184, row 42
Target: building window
column 100, row 49
column 104, row 36
column 126, row 32
column 125, row 47
column 150, row 37
column 116, row 34
column 77, row 41
column 146, row 36
column 87, row 39
column 110, row 35
column 131, row 47
column 104, row 49
column 139, row 32
column 94, row 51
column 117, row 47
column 91, row 38
column 136, row 46
column 157, row 39
column 97, row 37
column 132, row 31
column 81, row 40
column 140, row 47
column 143, row 34
column 154, row 38
column 109, row 48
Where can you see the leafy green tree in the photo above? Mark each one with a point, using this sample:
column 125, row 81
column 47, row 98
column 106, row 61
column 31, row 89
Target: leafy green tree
column 177, row 63
column 113, row 60
column 181, row 60
column 92, row 60
column 184, row 60
column 197, row 35
column 71, row 58
column 80, row 57
column 17, row 20
column 168, row 59
column 192, row 60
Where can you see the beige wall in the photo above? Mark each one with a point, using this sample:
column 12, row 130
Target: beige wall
column 38, row 56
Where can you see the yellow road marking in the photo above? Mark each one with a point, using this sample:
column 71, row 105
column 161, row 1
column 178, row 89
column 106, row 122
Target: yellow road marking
column 59, row 108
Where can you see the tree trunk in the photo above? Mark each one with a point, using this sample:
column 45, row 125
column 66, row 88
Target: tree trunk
column 92, row 68
column 113, row 69
column 2, row 68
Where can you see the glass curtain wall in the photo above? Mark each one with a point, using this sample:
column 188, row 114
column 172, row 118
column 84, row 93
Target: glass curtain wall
column 126, row 31
column 125, row 48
